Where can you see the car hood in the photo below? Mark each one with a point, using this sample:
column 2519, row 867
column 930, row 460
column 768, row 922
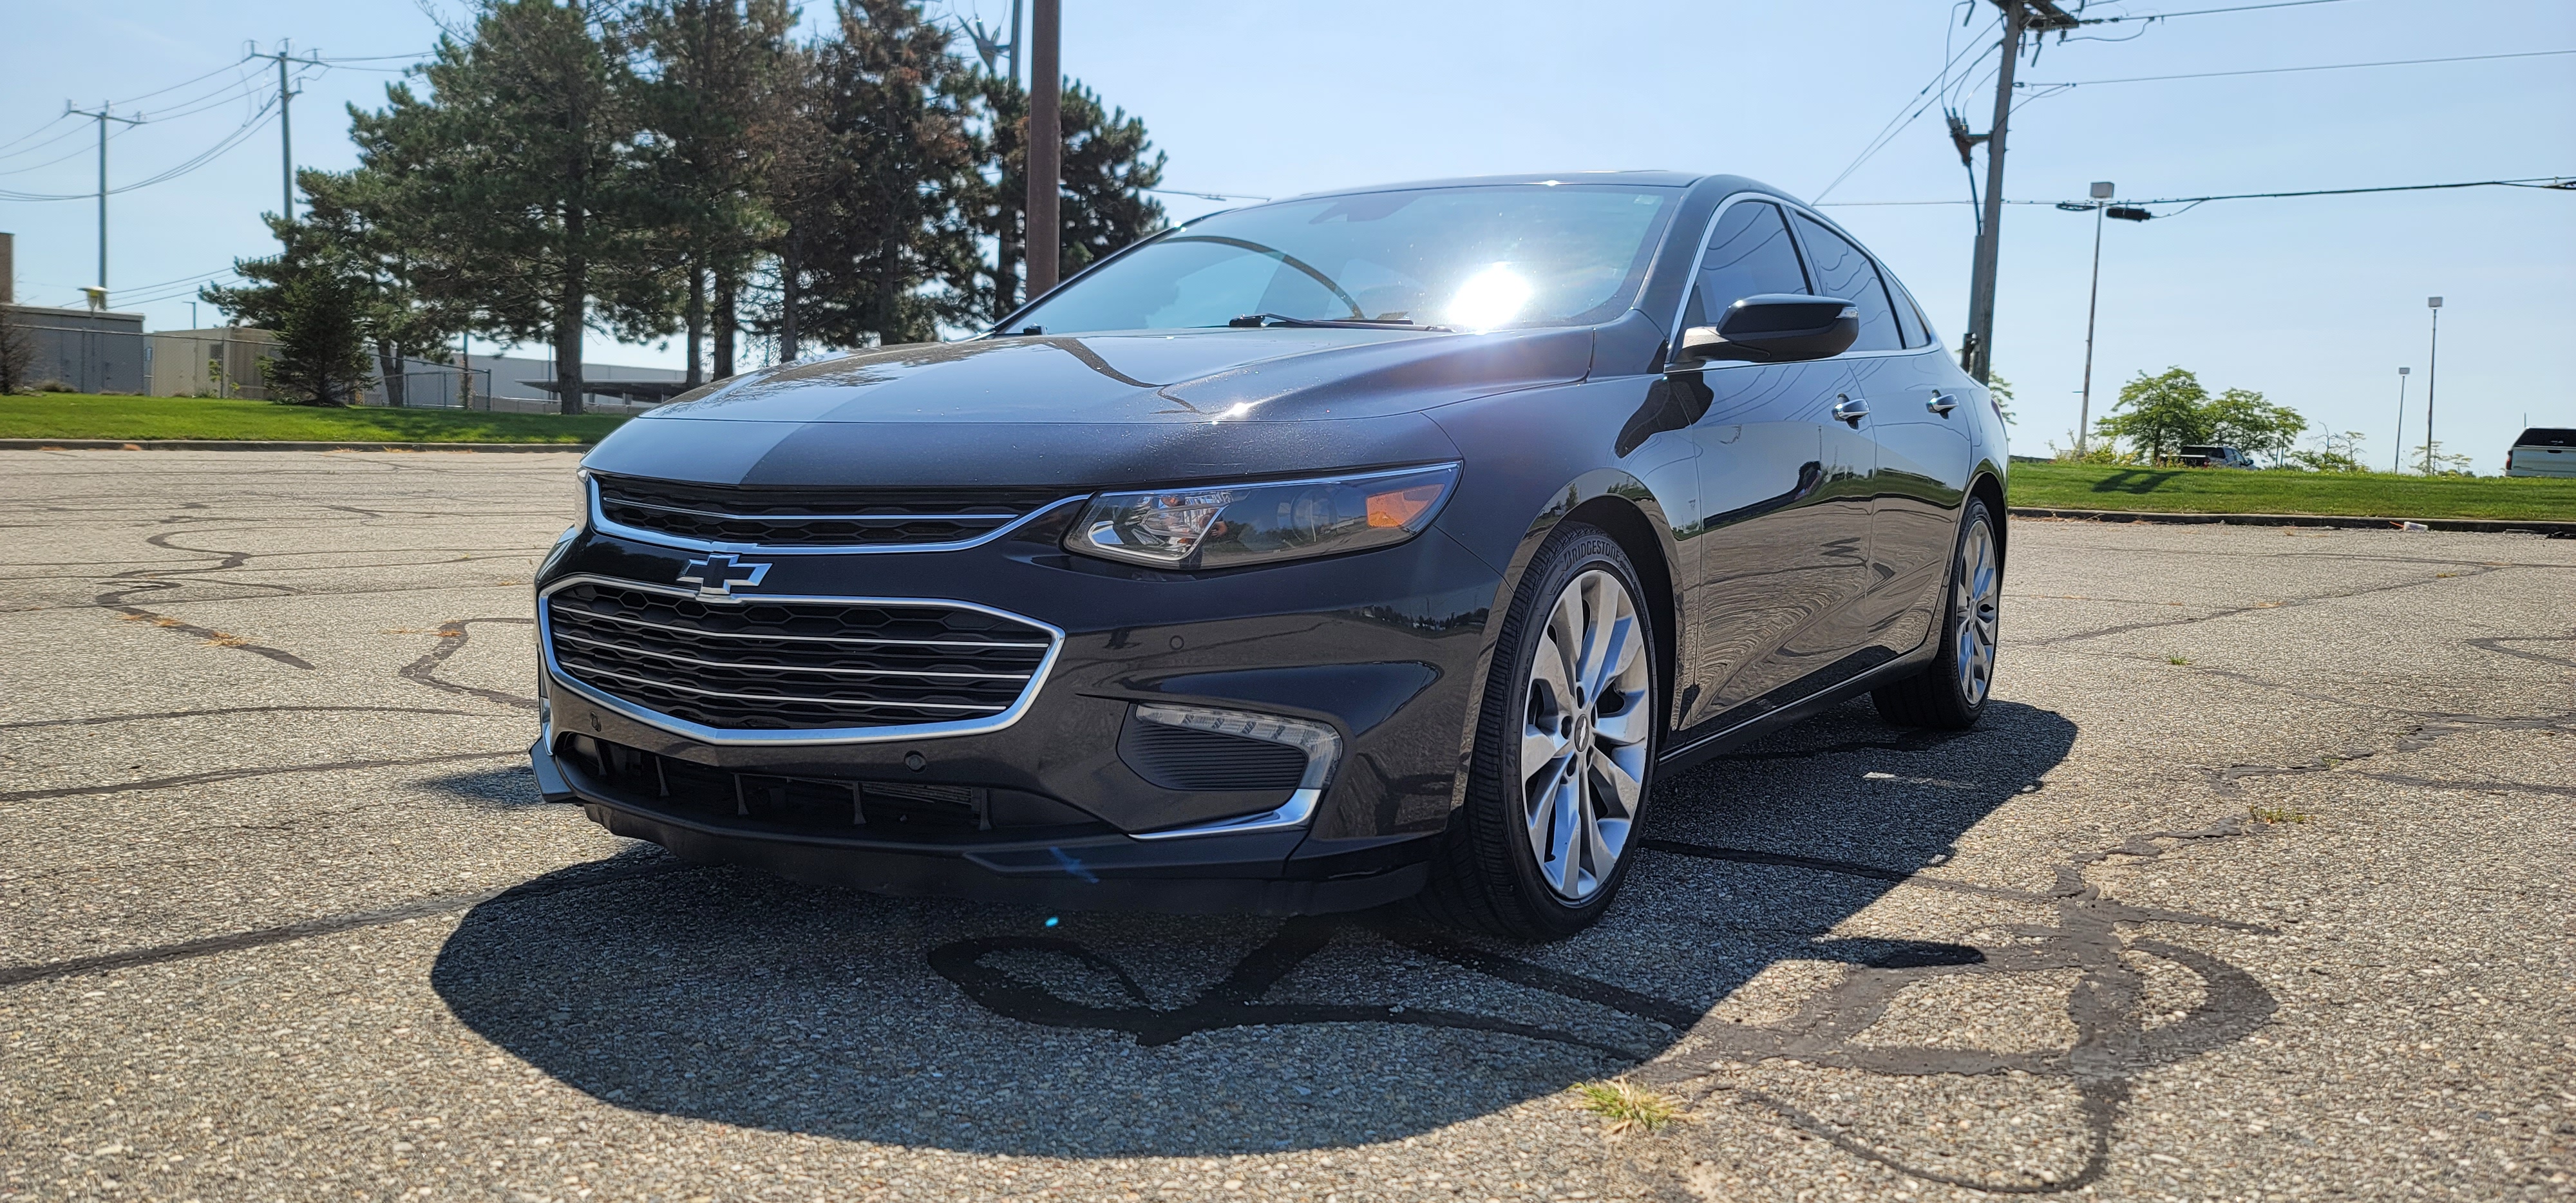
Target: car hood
column 1091, row 410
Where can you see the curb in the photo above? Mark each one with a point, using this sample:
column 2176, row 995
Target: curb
column 251, row 445
column 2555, row 530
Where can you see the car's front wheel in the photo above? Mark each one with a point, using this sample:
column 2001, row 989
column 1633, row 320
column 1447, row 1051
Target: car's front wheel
column 1564, row 751
column 1951, row 691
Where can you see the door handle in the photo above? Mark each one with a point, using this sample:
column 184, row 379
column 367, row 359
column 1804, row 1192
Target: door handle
column 1852, row 410
column 1941, row 403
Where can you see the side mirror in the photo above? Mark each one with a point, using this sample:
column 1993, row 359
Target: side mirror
column 1775, row 328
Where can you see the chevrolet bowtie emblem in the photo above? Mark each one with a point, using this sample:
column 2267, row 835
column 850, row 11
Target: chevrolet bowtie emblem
column 716, row 575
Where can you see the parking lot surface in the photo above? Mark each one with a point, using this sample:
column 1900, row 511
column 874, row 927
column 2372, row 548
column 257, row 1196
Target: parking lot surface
column 2254, row 884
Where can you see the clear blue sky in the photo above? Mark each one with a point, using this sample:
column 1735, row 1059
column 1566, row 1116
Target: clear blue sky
column 2315, row 302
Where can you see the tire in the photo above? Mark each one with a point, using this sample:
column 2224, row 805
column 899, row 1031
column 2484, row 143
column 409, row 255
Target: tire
column 1564, row 752
column 1951, row 691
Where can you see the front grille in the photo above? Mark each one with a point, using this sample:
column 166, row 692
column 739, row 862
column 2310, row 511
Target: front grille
column 771, row 665
column 779, row 517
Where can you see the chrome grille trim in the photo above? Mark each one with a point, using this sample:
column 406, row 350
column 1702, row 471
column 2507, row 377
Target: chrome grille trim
column 803, row 668
column 601, row 522
column 853, row 601
column 971, row 724
column 775, row 697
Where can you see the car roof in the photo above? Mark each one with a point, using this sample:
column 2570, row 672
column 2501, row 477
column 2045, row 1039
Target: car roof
column 1644, row 178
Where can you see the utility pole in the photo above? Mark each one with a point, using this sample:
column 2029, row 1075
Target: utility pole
column 2397, row 456
column 2102, row 190
column 1015, row 41
column 1046, row 146
column 2020, row 16
column 2432, row 375
column 286, row 127
column 104, row 116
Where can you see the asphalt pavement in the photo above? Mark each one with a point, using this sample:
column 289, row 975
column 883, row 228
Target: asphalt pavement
column 2253, row 885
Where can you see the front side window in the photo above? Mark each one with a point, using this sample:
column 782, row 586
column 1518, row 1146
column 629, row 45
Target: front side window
column 1474, row 258
column 1749, row 254
column 1842, row 271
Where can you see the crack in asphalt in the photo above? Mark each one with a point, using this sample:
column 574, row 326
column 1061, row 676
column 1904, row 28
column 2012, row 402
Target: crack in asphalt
column 2468, row 572
column 419, row 908
column 106, row 719
column 2112, row 1048
column 206, row 778
column 155, row 580
column 452, row 635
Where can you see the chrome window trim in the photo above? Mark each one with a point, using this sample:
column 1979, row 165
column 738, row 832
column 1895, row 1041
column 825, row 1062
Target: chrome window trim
column 600, row 521
column 800, row 737
column 1789, row 207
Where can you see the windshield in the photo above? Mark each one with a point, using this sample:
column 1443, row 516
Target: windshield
column 1473, row 258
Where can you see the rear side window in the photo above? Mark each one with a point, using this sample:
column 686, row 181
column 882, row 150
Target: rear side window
column 1909, row 315
column 1749, row 254
column 2546, row 436
column 1843, row 271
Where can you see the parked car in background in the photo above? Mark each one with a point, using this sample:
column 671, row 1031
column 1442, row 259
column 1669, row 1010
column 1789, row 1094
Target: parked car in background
column 1294, row 559
column 2213, row 455
column 2543, row 451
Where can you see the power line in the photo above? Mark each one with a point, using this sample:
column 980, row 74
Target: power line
column 2203, row 12
column 250, row 125
column 1914, row 107
column 2558, row 183
column 2402, row 62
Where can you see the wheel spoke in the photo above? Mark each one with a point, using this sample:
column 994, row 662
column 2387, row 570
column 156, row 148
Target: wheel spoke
column 1562, row 850
column 1614, row 784
column 1626, row 728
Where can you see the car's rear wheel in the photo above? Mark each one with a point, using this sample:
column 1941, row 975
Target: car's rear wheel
column 1564, row 752
column 1951, row 691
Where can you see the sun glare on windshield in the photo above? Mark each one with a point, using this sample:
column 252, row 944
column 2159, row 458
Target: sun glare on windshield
column 1489, row 298
column 1470, row 258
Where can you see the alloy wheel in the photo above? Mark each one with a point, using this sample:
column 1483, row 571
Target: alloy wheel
column 1976, row 589
column 1584, row 740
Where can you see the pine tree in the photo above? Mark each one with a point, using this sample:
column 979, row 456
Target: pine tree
column 710, row 83
column 516, row 184
column 1104, row 202
column 873, row 244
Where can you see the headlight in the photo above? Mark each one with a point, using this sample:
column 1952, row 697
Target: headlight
column 581, row 490
column 1231, row 525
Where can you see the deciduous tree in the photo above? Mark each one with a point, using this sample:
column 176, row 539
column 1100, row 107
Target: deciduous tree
column 2158, row 414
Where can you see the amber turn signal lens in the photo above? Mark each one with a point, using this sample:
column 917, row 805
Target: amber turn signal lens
column 1399, row 507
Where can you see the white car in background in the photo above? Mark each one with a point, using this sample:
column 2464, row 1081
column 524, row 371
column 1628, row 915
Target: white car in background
column 2543, row 451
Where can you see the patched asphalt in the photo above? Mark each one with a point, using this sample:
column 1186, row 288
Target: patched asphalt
column 2255, row 884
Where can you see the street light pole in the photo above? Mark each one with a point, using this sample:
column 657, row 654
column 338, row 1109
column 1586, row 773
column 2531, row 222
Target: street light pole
column 2092, row 306
column 2396, row 457
column 2432, row 374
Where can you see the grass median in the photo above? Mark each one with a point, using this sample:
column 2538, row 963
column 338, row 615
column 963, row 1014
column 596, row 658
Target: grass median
column 2236, row 491
column 87, row 416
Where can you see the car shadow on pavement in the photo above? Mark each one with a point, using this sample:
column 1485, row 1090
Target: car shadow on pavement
column 731, row 996
column 510, row 787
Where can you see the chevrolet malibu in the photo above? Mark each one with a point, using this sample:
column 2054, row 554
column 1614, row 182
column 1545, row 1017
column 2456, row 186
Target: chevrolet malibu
column 1305, row 557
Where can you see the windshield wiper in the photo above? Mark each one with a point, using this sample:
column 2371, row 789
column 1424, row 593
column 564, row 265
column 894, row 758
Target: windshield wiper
column 1266, row 320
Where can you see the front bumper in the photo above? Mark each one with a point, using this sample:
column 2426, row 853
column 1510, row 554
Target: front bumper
column 1379, row 646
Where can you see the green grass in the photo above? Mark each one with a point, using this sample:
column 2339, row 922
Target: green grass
column 2235, row 491
column 85, row 416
